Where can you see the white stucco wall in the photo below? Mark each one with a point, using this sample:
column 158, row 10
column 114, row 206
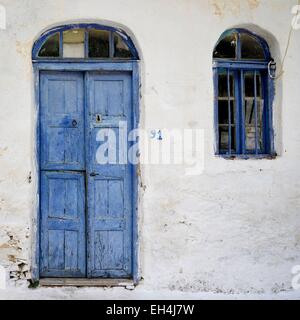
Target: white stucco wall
column 236, row 227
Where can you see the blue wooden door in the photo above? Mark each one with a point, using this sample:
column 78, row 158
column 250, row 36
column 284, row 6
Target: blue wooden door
column 110, row 195
column 63, row 238
column 86, row 205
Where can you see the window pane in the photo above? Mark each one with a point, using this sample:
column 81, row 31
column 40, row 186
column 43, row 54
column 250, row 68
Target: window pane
column 249, row 85
column 73, row 43
column 251, row 47
column 224, row 139
column 121, row 49
column 226, row 112
column 233, row 140
column 250, row 113
column 226, row 48
column 250, row 124
column 98, row 44
column 223, row 112
column 250, row 139
column 222, row 83
column 50, row 48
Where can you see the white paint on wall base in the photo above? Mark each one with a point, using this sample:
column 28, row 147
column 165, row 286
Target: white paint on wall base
column 2, row 17
column 2, row 278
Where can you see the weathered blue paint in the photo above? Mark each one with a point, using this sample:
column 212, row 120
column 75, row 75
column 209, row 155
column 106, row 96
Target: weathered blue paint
column 131, row 69
column 85, row 66
column 62, row 121
column 269, row 85
column 41, row 40
column 242, row 113
column 216, row 113
column 35, row 273
column 62, row 188
column 62, row 224
column 110, row 248
column 239, row 31
column 238, row 67
column 110, row 196
column 256, row 113
column 229, row 112
column 136, row 85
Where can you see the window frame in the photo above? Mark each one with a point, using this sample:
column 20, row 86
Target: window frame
column 86, row 26
column 238, row 67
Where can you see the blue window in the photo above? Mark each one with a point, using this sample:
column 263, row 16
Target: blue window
column 243, row 95
column 84, row 41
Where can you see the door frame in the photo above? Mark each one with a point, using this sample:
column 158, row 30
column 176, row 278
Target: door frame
column 128, row 66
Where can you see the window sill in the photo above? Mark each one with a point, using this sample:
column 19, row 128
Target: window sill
column 84, row 282
column 247, row 156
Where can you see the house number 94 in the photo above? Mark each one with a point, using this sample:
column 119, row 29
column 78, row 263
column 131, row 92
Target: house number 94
column 156, row 134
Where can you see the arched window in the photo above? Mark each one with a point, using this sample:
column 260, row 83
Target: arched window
column 243, row 114
column 84, row 41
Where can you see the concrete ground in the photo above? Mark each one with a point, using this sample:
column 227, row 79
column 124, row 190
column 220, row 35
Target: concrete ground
column 136, row 294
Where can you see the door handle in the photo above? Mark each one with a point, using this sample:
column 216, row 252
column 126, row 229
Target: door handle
column 74, row 123
column 94, row 174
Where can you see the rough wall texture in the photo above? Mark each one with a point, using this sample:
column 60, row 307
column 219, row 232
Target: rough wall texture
column 235, row 228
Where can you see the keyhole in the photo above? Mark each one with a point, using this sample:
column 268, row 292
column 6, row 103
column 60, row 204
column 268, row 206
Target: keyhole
column 98, row 118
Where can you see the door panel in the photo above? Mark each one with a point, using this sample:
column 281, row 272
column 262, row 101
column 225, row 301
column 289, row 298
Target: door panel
column 77, row 187
column 63, row 238
column 105, row 103
column 109, row 184
column 62, row 224
column 62, row 121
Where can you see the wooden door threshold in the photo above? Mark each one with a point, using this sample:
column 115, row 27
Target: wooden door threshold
column 83, row 282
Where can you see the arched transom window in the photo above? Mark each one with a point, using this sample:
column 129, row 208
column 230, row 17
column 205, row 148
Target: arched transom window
column 84, row 41
column 242, row 94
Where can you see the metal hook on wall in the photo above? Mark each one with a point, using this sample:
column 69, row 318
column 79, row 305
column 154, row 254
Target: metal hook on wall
column 272, row 69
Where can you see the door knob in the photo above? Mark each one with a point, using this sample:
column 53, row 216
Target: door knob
column 94, row 174
column 74, row 123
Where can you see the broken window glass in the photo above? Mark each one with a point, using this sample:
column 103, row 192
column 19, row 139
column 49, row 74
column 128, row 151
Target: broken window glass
column 242, row 113
column 98, row 44
column 226, row 113
column 50, row 49
column 223, row 87
column 73, row 43
column 84, row 42
column 224, row 139
column 251, row 48
column 253, row 111
column 226, row 48
column 121, row 49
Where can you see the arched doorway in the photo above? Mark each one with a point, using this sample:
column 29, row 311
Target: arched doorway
column 87, row 82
